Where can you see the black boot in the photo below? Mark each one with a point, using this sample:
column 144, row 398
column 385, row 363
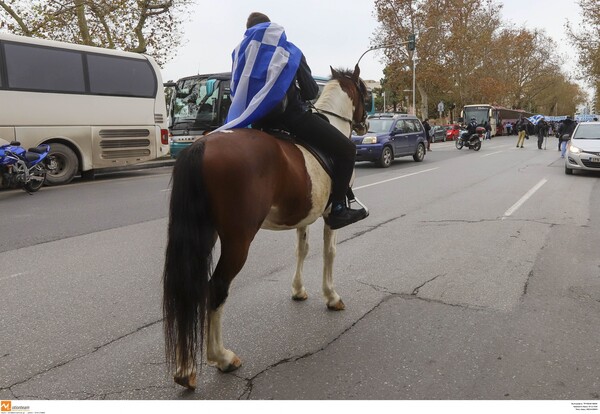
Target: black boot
column 342, row 216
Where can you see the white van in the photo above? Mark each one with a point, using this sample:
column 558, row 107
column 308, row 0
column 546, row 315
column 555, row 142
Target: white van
column 97, row 108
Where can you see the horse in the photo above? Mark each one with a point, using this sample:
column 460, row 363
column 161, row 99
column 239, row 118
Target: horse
column 226, row 186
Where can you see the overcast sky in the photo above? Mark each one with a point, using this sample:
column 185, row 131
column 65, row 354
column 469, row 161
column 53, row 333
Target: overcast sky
column 329, row 32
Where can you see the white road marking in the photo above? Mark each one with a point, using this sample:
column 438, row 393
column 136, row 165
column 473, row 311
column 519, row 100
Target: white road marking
column 13, row 276
column 491, row 153
column 523, row 199
column 395, row 178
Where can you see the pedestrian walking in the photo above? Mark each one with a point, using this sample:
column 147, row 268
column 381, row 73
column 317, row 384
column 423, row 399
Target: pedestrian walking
column 541, row 132
column 427, row 133
column 522, row 128
column 566, row 130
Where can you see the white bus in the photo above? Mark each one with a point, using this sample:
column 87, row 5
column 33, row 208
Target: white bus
column 97, row 108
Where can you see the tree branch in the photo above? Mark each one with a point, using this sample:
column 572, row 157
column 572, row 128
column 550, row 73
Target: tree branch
column 17, row 18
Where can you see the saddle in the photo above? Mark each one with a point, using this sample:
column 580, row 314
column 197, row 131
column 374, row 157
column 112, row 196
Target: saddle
column 325, row 160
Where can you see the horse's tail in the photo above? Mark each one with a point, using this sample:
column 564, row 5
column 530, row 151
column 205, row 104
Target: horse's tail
column 188, row 260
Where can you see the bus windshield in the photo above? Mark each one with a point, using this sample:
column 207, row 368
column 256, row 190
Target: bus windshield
column 481, row 114
column 195, row 103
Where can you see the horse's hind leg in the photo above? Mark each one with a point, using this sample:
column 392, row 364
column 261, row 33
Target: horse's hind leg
column 334, row 302
column 232, row 259
column 298, row 291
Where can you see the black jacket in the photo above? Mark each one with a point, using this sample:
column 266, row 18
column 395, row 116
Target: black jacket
column 566, row 128
column 302, row 90
column 472, row 127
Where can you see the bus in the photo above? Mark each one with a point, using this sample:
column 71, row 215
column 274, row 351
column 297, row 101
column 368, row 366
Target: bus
column 495, row 116
column 97, row 108
column 199, row 104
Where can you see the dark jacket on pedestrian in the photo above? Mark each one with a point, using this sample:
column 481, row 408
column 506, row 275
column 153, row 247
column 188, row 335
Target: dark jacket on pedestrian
column 566, row 128
column 427, row 128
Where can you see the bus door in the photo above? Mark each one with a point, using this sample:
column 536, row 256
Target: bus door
column 493, row 121
column 224, row 101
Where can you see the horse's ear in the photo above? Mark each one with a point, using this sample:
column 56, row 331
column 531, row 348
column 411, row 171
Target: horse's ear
column 356, row 74
column 333, row 72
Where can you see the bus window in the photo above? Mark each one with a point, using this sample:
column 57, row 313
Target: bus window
column 112, row 75
column 35, row 68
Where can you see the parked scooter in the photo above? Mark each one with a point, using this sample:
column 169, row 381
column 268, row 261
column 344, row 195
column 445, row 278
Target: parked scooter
column 26, row 169
column 471, row 142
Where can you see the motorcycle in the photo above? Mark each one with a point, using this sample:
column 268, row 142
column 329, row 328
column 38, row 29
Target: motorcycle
column 26, row 169
column 471, row 142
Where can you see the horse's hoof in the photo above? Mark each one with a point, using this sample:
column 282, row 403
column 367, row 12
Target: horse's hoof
column 233, row 365
column 337, row 306
column 188, row 382
column 300, row 296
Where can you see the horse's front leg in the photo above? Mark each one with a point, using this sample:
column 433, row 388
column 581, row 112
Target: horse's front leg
column 334, row 302
column 298, row 291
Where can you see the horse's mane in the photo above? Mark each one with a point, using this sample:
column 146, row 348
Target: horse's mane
column 342, row 73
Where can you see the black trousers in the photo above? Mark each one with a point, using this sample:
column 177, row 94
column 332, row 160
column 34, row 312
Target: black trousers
column 314, row 130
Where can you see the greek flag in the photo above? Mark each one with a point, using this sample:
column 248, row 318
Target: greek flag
column 535, row 119
column 264, row 67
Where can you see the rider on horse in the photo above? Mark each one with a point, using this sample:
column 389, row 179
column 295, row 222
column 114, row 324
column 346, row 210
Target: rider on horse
column 285, row 106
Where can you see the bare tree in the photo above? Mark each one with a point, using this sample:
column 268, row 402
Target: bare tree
column 465, row 55
column 144, row 26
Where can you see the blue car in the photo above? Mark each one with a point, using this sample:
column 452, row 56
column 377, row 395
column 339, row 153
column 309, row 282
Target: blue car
column 391, row 136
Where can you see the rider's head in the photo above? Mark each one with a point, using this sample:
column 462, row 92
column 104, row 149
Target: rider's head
column 473, row 119
column 256, row 18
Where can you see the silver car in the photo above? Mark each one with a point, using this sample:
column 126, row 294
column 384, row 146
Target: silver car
column 583, row 150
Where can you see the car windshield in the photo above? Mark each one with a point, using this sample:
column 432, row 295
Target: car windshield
column 380, row 125
column 587, row 131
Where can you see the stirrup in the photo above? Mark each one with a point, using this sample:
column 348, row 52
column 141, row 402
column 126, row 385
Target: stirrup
column 351, row 198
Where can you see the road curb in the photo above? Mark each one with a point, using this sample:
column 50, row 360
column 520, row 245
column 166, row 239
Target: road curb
column 160, row 162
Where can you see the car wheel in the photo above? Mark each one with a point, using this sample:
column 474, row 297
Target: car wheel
column 568, row 170
column 386, row 158
column 419, row 153
column 444, row 140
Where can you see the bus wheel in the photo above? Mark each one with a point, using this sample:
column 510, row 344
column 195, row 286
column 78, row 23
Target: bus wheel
column 64, row 165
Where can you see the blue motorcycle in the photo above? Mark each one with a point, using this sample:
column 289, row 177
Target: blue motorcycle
column 26, row 169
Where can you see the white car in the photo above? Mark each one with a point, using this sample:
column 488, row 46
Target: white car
column 583, row 150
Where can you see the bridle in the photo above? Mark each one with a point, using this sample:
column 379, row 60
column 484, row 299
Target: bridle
column 354, row 125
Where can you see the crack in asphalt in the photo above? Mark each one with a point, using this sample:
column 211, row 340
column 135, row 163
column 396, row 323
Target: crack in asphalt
column 247, row 393
column 415, row 291
column 370, row 229
column 526, row 286
column 249, row 387
column 94, row 350
column 376, row 287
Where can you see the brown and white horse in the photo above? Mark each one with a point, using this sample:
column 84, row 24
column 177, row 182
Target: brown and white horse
column 228, row 185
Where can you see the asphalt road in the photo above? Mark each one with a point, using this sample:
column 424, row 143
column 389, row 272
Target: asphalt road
column 476, row 277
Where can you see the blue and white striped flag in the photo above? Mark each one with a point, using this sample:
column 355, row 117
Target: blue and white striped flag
column 535, row 119
column 264, row 67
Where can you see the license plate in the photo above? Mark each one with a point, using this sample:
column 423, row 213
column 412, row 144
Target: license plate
column 594, row 159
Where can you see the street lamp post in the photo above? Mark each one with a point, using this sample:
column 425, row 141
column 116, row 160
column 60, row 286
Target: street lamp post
column 414, row 59
column 408, row 90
